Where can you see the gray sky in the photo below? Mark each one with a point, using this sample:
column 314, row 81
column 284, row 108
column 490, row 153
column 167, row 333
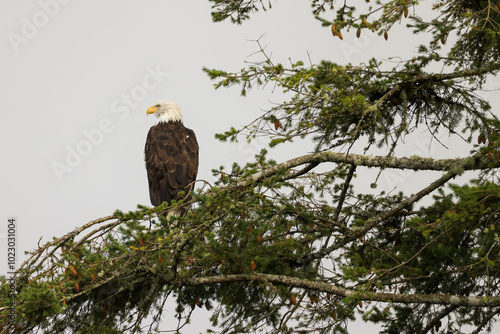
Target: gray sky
column 77, row 78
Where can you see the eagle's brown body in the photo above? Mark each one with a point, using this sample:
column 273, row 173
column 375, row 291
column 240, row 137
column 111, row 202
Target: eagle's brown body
column 171, row 155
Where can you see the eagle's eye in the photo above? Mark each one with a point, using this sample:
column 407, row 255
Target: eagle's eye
column 157, row 106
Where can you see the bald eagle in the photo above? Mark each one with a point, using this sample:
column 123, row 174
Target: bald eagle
column 171, row 156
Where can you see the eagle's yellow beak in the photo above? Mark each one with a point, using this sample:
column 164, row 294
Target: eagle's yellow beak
column 151, row 110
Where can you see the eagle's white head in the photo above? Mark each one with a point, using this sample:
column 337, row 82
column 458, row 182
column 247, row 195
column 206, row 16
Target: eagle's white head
column 166, row 111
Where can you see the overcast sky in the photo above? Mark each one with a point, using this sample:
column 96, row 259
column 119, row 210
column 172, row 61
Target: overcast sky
column 77, row 78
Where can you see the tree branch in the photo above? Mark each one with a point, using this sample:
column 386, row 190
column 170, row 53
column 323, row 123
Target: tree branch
column 370, row 223
column 471, row 301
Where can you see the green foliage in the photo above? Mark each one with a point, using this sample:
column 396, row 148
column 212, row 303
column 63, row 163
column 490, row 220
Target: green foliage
column 477, row 25
column 448, row 248
column 337, row 104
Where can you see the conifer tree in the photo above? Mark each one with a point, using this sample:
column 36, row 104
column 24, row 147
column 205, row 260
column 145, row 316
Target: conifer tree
column 298, row 246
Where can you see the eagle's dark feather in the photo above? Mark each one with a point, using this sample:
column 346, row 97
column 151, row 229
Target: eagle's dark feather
column 171, row 155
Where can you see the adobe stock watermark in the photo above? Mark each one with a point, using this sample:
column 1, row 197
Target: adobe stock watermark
column 120, row 107
column 30, row 27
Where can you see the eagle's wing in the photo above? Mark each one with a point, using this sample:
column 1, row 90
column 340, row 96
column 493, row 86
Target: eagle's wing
column 171, row 155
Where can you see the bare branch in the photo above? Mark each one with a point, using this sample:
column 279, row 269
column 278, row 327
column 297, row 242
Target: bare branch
column 471, row 301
